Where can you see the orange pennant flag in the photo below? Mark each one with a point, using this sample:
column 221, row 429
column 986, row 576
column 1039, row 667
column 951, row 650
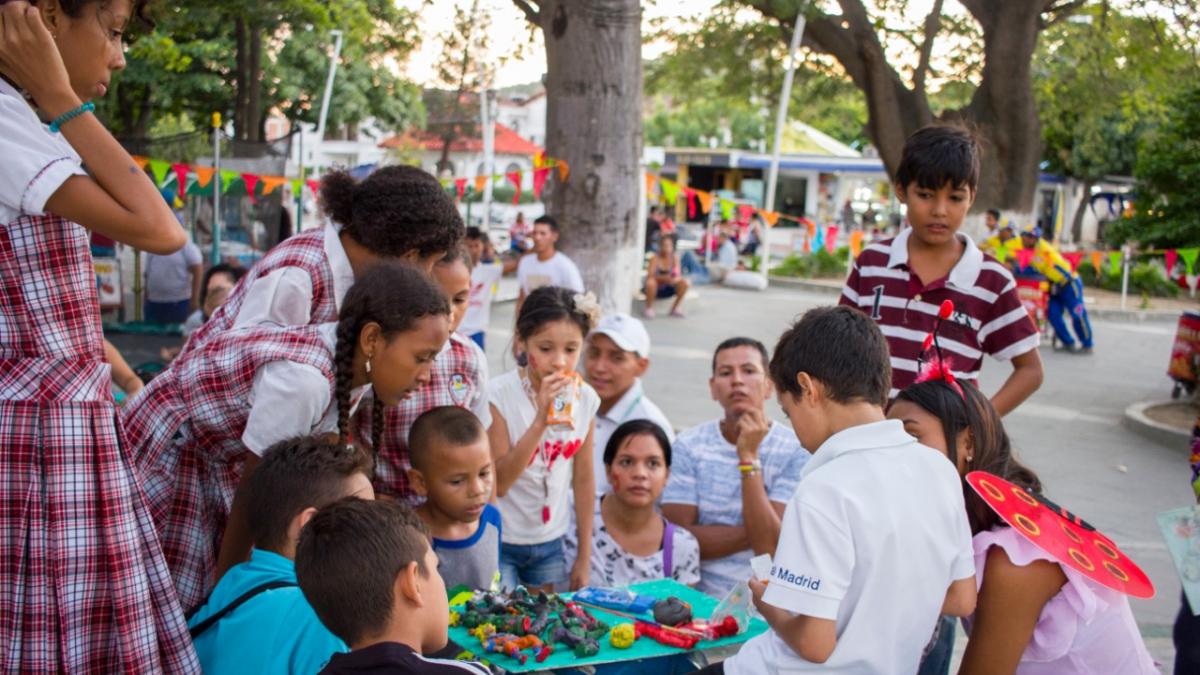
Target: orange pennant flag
column 204, row 175
column 1097, row 257
column 141, row 161
column 771, row 217
column 480, row 183
column 563, row 170
column 706, row 200
column 539, row 159
column 856, row 239
column 270, row 183
column 651, row 181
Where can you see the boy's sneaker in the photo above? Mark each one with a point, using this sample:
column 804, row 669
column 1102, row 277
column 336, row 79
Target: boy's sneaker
column 648, row 313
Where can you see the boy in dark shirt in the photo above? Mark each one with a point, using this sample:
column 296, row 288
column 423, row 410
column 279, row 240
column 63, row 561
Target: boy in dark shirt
column 370, row 573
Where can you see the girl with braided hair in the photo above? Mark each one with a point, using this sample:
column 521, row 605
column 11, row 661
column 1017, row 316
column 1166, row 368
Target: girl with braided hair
column 197, row 431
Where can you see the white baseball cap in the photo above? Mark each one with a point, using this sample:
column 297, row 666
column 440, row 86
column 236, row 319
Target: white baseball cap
column 627, row 332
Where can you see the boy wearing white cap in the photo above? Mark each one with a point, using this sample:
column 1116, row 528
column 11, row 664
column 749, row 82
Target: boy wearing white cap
column 616, row 356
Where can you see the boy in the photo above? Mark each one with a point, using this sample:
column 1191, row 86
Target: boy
column 901, row 282
column 257, row 620
column 547, row 266
column 484, row 277
column 452, row 470
column 369, row 572
column 875, row 542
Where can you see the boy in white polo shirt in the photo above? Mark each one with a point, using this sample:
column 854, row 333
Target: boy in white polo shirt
column 875, row 543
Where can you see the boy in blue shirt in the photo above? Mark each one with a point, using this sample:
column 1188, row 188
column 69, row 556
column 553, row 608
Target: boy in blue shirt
column 256, row 620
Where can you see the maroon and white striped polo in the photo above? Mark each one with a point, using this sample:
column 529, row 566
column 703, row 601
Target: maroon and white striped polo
column 988, row 317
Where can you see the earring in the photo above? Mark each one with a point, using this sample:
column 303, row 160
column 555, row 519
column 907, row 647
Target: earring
column 368, row 365
column 970, row 458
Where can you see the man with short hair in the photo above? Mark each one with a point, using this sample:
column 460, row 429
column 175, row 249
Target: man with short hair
column 547, row 266
column 732, row 477
column 616, row 356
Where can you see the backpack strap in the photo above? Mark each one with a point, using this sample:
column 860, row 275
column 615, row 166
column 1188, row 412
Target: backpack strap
column 242, row 599
column 668, row 547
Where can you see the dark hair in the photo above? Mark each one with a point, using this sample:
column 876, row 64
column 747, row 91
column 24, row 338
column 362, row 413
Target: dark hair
column 939, row 154
column 995, row 213
column 395, row 296
column 993, row 452
column 672, row 237
column 447, row 424
column 547, row 220
column 394, row 210
column 294, row 475
column 458, row 253
column 547, row 304
column 235, row 273
column 840, row 347
column 139, row 9
column 632, row 428
column 348, row 558
column 735, row 342
column 475, row 234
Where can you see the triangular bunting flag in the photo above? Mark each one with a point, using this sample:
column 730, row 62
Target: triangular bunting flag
column 819, row 240
column 251, row 181
column 227, row 179
column 181, row 173
column 1073, row 259
column 1097, row 258
column 514, row 177
column 314, row 185
column 651, row 180
column 564, row 170
column 480, row 183
column 296, row 183
column 539, row 159
column 204, row 175
column 159, row 169
column 831, row 234
column 727, row 209
column 271, row 183
column 670, row 191
column 539, row 180
column 856, row 239
column 706, row 200
column 445, row 182
column 460, row 187
column 1114, row 259
column 771, row 217
column 1189, row 257
column 1171, row 256
column 140, row 161
column 744, row 212
column 691, row 202
column 1025, row 257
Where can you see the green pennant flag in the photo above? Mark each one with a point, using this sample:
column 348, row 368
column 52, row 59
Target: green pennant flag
column 1114, row 260
column 159, row 168
column 1189, row 257
column 296, row 185
column 727, row 209
column 670, row 191
column 227, row 179
column 194, row 188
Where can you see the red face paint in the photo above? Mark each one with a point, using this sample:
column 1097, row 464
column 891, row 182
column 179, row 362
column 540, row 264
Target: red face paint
column 615, row 481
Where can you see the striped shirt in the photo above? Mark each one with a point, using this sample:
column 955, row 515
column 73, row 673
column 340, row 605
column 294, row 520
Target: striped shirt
column 988, row 317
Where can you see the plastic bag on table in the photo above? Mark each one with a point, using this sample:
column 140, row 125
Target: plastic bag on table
column 737, row 603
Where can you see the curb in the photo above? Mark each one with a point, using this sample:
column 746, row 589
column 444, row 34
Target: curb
column 1135, row 420
column 807, row 285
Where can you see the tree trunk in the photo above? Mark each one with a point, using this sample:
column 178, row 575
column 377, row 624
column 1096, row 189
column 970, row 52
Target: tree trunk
column 254, row 111
column 1077, row 221
column 594, row 122
column 241, row 80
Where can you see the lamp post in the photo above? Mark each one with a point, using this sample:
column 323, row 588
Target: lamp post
column 324, row 115
column 780, row 121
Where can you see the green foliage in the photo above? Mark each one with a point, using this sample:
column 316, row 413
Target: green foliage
column 1167, row 203
column 818, row 264
column 1145, row 278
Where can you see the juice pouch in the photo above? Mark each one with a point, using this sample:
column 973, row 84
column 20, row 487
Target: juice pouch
column 562, row 408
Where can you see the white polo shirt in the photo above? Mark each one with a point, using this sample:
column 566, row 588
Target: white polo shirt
column 873, row 538
column 634, row 405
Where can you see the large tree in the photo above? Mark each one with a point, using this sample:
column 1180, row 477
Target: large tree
column 1002, row 106
column 594, row 122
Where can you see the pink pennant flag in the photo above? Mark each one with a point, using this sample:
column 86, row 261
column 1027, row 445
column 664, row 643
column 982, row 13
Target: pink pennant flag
column 251, row 181
column 314, row 185
column 1074, row 259
column 691, row 199
column 514, row 177
column 1024, row 257
column 744, row 212
column 831, row 234
column 460, row 185
column 539, row 180
column 181, row 174
column 1172, row 256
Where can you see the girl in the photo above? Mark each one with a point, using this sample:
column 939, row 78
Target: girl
column 218, row 282
column 83, row 587
column 198, row 429
column 459, row 377
column 535, row 461
column 1033, row 614
column 664, row 278
column 631, row 541
column 397, row 212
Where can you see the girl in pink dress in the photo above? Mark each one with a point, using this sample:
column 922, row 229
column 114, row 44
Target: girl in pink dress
column 83, row 587
column 1034, row 616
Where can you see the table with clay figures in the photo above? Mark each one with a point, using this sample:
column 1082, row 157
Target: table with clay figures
column 643, row 648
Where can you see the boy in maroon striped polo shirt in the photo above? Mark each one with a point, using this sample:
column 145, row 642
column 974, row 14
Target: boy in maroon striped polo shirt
column 902, row 281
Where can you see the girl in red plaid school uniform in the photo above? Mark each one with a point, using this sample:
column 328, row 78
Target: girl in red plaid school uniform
column 83, row 586
column 198, row 429
column 396, row 213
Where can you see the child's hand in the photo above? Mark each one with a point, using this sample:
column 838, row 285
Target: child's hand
column 551, row 386
column 29, row 58
column 757, row 588
column 752, row 428
column 579, row 574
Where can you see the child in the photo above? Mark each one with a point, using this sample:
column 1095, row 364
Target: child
column 198, row 429
column 875, row 543
column 1034, row 615
column 458, row 378
column 372, row 577
column 452, row 470
column 83, row 587
column 536, row 461
column 485, row 274
column 257, row 620
column 664, row 278
column 901, row 282
column 631, row 540
column 397, row 212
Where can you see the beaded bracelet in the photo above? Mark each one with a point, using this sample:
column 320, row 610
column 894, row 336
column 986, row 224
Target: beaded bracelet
column 749, row 468
column 70, row 115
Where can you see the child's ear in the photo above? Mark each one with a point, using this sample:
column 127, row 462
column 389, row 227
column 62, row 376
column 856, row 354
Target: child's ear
column 900, row 194
column 408, row 584
column 417, row 480
column 966, row 441
column 298, row 522
column 808, row 389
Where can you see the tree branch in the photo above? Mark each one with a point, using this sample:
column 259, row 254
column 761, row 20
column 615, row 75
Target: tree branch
column 1058, row 11
column 933, row 24
column 531, row 13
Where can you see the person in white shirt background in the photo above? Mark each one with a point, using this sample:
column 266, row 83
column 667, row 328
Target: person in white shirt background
column 547, row 266
column 484, row 277
column 173, row 284
column 615, row 358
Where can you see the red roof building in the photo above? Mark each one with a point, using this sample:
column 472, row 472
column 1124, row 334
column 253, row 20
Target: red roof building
column 507, row 142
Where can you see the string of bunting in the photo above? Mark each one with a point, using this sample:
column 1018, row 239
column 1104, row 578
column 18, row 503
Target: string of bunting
column 701, row 200
column 193, row 179
column 543, row 166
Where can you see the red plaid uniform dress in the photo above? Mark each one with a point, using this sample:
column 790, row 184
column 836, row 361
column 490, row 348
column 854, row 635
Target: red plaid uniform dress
column 455, row 379
column 83, row 587
column 185, row 434
column 306, row 251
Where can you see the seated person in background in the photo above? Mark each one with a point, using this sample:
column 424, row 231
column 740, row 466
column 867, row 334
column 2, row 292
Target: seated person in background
column 218, row 282
column 733, row 476
column 664, row 278
column 631, row 541
column 727, row 257
column 452, row 470
column 274, row 630
column 615, row 358
column 371, row 575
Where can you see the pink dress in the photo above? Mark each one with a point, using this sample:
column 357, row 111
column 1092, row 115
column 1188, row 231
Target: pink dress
column 1087, row 629
column 83, row 585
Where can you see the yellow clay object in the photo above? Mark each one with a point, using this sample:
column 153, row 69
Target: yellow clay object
column 622, row 635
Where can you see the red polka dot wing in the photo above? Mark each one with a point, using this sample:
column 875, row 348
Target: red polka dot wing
column 1062, row 534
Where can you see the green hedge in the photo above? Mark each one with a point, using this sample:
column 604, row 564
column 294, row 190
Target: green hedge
column 1144, row 279
column 819, row 264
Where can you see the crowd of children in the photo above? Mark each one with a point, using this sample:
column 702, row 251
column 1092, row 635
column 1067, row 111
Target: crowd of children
column 226, row 521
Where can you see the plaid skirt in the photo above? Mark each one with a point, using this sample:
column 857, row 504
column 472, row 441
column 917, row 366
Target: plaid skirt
column 83, row 586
